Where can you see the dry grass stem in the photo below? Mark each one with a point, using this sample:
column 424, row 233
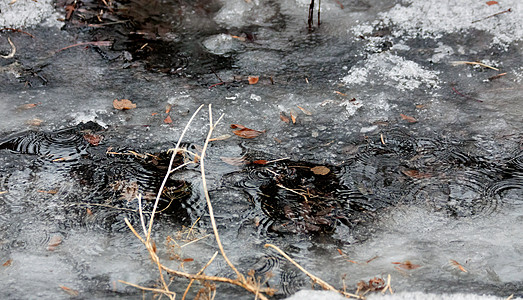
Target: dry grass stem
column 207, row 197
column 196, row 240
column 199, row 272
column 315, row 279
column 456, row 63
column 387, row 287
column 248, row 283
column 168, row 173
column 13, row 50
column 168, row 293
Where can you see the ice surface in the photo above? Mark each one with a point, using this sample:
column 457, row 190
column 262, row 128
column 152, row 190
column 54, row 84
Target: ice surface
column 27, row 13
column 321, row 295
column 432, row 19
column 393, row 71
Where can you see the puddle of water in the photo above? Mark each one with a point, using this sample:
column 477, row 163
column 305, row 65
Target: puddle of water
column 423, row 157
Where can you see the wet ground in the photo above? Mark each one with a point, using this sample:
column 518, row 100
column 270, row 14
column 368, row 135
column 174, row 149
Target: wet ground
column 381, row 146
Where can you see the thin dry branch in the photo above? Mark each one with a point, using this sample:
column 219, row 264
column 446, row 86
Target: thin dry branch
column 315, row 279
column 457, row 62
column 199, row 272
column 13, row 50
column 208, row 199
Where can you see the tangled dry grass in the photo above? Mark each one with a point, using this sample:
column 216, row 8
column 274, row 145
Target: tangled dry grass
column 248, row 281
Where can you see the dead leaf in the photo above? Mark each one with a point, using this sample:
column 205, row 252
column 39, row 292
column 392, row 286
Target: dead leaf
column 34, row 122
column 89, row 212
column 168, row 120
column 489, row 3
column 28, row 106
column 49, row 192
column 70, row 291
column 458, row 266
column 308, row 113
column 123, row 104
column 320, row 170
column 7, row 263
column 415, row 174
column 253, row 79
column 340, row 93
column 93, row 139
column 409, row 119
column 188, row 259
column 293, row 118
column 154, row 114
column 54, row 242
column 245, row 132
column 284, row 118
column 234, row 161
column 168, row 108
column 260, row 162
column 407, row 265
column 237, row 126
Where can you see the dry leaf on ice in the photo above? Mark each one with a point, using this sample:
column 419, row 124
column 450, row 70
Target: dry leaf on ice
column 253, row 79
column 245, row 132
column 123, row 104
column 409, row 119
column 320, row 170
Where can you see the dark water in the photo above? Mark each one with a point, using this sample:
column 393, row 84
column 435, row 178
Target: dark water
column 395, row 154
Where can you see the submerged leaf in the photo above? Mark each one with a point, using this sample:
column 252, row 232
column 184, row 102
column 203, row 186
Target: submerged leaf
column 409, row 119
column 123, row 104
column 320, row 170
column 253, row 79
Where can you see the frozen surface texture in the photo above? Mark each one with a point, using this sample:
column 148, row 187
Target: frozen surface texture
column 387, row 140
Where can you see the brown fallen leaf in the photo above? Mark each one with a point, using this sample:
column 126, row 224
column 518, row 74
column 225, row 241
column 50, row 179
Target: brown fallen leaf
column 70, row 291
column 7, row 263
column 260, row 162
column 168, row 108
column 245, row 132
column 293, row 118
column 89, row 211
column 460, row 267
column 415, row 174
column 284, row 118
column 489, row 3
column 320, row 170
column 237, row 126
column 188, row 259
column 28, row 106
column 253, row 79
column 93, row 139
column 168, row 120
column 407, row 265
column 340, row 93
column 409, row 119
column 48, row 192
column 308, row 113
column 123, row 104
column 54, row 242
column 34, row 122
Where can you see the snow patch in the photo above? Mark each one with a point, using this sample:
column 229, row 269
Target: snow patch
column 391, row 70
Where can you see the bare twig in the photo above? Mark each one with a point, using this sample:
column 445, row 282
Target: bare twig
column 207, row 197
column 13, row 50
column 499, row 13
column 199, row 272
column 168, row 173
column 315, row 279
column 455, row 63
